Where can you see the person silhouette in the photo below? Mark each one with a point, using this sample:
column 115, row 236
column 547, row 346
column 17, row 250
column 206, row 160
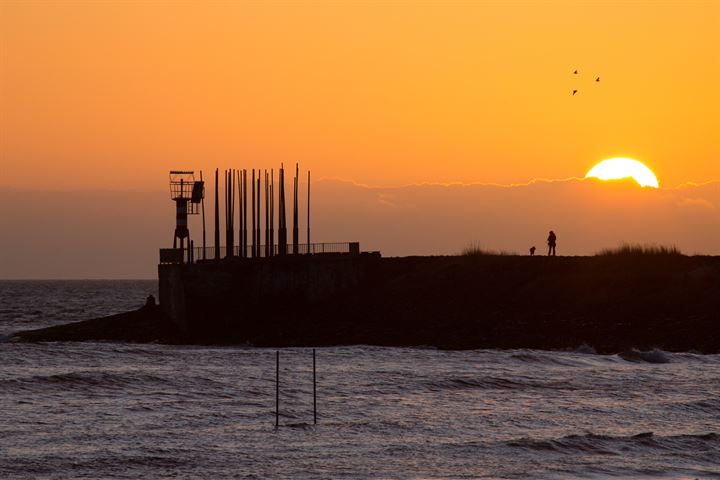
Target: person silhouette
column 532, row 251
column 551, row 243
column 150, row 301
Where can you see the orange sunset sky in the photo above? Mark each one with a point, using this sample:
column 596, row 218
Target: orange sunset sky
column 114, row 94
column 387, row 103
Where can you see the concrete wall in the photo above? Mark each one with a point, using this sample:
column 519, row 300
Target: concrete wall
column 171, row 289
column 231, row 293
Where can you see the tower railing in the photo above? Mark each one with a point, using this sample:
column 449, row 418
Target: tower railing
column 199, row 254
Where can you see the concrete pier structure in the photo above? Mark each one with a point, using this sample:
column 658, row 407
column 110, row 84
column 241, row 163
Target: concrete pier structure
column 209, row 298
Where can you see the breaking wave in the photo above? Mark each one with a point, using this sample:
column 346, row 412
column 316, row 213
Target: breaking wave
column 621, row 445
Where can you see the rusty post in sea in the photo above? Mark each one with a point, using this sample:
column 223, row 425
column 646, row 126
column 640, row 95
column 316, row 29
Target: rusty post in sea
column 314, row 391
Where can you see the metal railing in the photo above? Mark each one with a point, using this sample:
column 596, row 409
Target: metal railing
column 195, row 254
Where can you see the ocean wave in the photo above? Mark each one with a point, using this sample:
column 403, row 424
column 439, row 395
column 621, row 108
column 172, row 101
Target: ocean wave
column 495, row 383
column 652, row 356
column 586, row 349
column 618, row 445
column 709, row 406
column 83, row 380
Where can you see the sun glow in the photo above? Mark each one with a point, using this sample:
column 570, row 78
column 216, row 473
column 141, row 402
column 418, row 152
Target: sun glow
column 619, row 168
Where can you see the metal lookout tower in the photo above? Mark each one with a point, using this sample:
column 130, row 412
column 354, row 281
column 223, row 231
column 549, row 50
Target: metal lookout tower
column 187, row 193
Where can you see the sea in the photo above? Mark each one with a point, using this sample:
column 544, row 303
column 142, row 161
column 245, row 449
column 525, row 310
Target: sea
column 153, row 411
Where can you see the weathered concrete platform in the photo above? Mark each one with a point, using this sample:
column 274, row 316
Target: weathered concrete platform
column 612, row 303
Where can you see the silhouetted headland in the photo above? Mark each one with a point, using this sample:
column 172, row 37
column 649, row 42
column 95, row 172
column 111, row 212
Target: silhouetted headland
column 609, row 302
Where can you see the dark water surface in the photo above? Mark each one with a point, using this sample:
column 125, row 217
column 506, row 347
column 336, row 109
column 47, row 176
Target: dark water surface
column 104, row 410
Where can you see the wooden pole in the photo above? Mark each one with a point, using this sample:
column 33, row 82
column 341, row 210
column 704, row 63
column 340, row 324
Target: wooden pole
column 241, row 244
column 296, row 230
column 308, row 215
column 231, row 207
column 245, row 220
column 282, row 226
column 228, row 246
column 277, row 388
column 254, row 233
column 217, row 217
column 314, row 391
column 202, row 206
column 272, row 212
column 259, row 218
column 267, row 215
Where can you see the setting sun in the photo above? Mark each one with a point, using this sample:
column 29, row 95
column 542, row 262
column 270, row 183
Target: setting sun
column 619, row 168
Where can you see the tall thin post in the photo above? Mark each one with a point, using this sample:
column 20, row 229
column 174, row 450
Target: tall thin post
column 244, row 212
column 282, row 226
column 277, row 388
column 267, row 215
column 259, row 217
column 231, row 207
column 314, row 391
column 272, row 212
column 241, row 246
column 308, row 215
column 202, row 205
column 254, row 236
column 296, row 230
column 217, row 217
column 228, row 213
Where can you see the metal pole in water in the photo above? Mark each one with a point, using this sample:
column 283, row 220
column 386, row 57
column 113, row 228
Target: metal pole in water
column 277, row 388
column 314, row 391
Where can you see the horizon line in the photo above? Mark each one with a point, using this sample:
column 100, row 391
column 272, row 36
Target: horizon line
column 543, row 180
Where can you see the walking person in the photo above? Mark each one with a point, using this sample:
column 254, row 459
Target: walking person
column 552, row 239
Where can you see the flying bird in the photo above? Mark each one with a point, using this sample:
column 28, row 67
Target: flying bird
column 575, row 72
column 574, row 92
column 597, row 79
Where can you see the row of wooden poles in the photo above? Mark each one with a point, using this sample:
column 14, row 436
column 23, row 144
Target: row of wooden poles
column 236, row 185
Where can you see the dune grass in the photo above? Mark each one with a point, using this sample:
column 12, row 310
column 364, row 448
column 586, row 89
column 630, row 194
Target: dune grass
column 475, row 250
column 636, row 250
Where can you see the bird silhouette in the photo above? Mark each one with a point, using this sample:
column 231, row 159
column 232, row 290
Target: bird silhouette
column 574, row 92
column 597, row 79
column 575, row 72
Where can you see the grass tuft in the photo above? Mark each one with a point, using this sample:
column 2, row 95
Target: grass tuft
column 636, row 250
column 475, row 250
